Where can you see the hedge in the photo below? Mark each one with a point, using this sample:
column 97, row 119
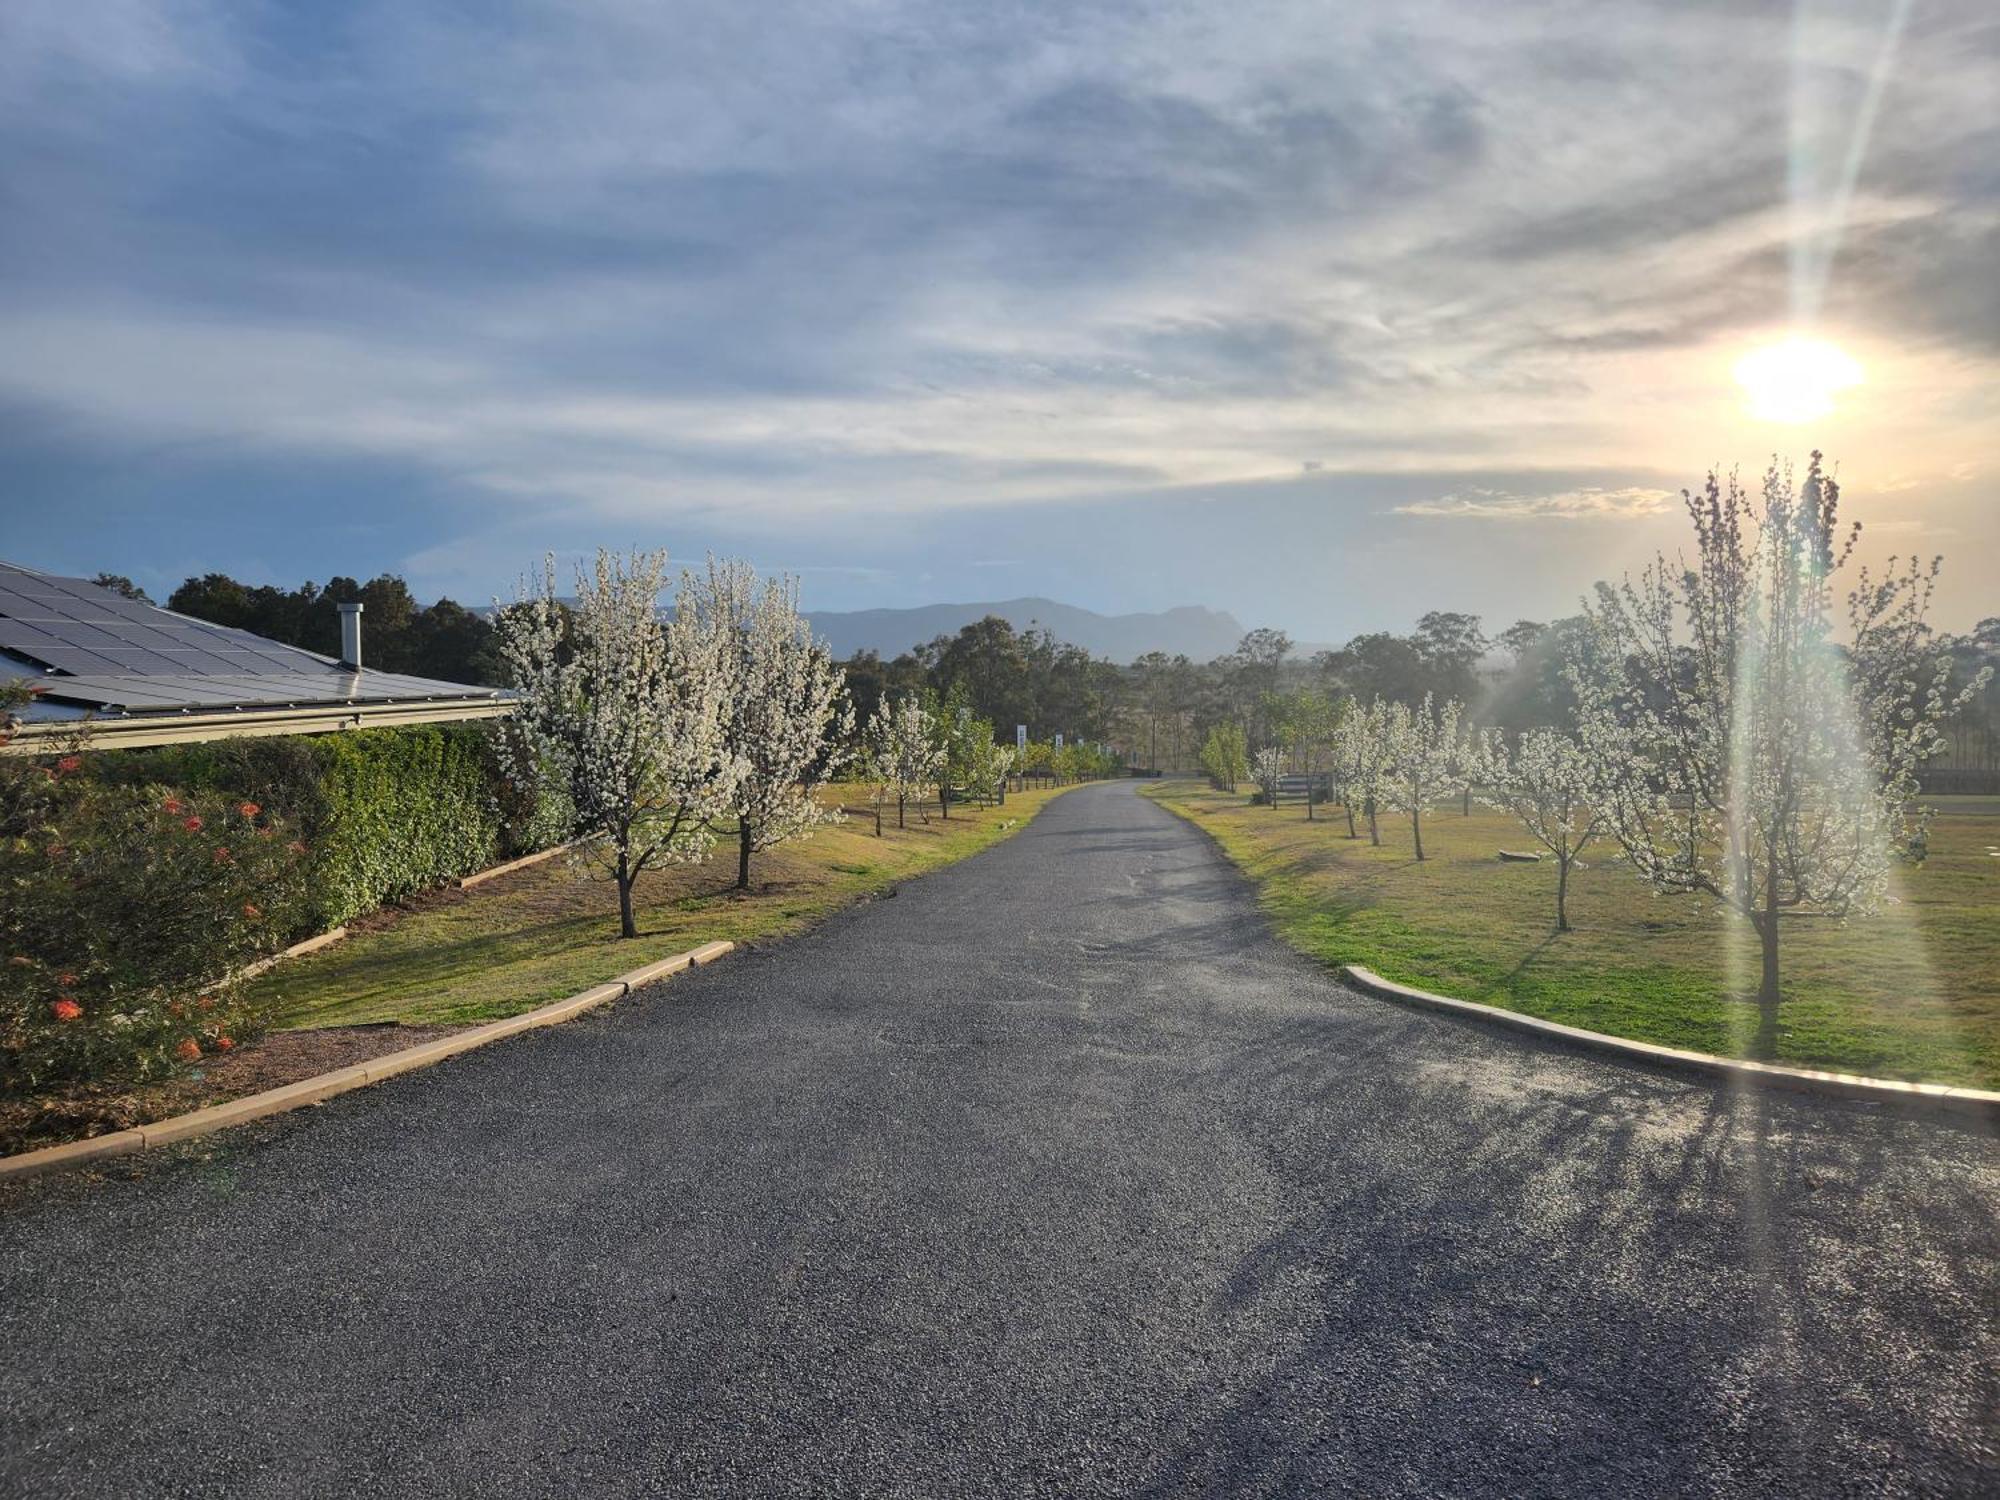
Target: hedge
column 385, row 813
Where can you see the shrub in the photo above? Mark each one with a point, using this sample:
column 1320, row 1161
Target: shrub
column 125, row 908
column 386, row 812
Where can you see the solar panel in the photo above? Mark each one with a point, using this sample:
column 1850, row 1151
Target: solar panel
column 115, row 653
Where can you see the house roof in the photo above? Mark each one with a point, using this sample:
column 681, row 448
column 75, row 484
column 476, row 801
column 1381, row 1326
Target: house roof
column 132, row 668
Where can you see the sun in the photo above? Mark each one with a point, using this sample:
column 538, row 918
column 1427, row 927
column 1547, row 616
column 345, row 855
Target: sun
column 1796, row 379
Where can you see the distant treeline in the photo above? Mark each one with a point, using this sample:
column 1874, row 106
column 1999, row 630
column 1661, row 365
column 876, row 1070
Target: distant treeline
column 1157, row 710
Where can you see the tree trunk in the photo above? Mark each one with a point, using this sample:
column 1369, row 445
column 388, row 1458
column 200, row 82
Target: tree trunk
column 944, row 801
column 1766, row 1044
column 878, row 817
column 1468, row 801
column 1417, row 830
column 1374, row 832
column 899, row 810
column 1309, row 802
column 627, row 926
column 743, row 841
column 1351, row 832
column 1562, row 893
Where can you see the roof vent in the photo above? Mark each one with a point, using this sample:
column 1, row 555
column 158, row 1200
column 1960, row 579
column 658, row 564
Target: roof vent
column 350, row 635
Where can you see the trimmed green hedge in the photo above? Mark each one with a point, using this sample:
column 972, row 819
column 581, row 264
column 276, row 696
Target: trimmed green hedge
column 385, row 813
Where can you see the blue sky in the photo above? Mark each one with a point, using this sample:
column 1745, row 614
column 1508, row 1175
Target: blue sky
column 1323, row 315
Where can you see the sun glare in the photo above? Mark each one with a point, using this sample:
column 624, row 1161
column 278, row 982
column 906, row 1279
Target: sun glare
column 1795, row 380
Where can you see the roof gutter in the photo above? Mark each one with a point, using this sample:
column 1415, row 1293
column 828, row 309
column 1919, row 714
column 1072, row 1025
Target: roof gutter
column 40, row 736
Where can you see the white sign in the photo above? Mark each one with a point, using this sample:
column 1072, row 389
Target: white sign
column 1058, row 742
column 1021, row 738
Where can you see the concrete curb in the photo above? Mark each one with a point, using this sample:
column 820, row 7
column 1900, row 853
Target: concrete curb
column 298, row 950
column 466, row 882
column 312, row 1090
column 1978, row 1105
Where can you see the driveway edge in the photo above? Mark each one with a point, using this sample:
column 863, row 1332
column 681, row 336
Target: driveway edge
column 1937, row 1099
column 325, row 1085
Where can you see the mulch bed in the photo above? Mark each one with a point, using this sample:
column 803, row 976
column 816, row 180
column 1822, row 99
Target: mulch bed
column 279, row 1058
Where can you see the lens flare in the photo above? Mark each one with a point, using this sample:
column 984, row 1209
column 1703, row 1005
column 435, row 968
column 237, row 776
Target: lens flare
column 1795, row 380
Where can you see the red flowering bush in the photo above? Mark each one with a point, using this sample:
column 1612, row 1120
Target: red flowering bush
column 123, row 910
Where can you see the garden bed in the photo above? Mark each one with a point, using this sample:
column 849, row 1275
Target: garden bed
column 278, row 1058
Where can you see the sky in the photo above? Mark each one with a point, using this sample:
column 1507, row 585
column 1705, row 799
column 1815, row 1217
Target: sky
column 1323, row 315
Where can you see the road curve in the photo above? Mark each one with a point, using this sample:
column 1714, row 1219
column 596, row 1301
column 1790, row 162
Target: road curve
column 1054, row 1175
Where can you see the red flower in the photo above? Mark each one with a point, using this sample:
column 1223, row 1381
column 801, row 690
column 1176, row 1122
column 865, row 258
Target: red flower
column 70, row 763
column 252, row 910
column 66, row 980
column 176, row 1009
column 173, row 805
column 192, row 825
column 248, row 809
column 188, row 1051
column 222, row 855
column 206, row 1002
column 223, row 1044
column 297, row 846
column 65, row 1009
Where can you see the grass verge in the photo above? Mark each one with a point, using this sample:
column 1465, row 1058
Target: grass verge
column 1913, row 993
column 546, row 932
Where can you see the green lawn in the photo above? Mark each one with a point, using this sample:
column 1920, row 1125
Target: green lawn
column 1911, row 993
column 547, row 932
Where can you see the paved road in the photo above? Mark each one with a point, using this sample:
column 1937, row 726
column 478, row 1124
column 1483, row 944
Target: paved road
column 1053, row 1175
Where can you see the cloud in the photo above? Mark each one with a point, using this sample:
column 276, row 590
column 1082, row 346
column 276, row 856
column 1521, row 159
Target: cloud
column 1579, row 504
column 599, row 266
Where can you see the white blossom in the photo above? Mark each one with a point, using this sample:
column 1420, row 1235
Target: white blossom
column 625, row 708
column 785, row 713
column 1549, row 784
column 1359, row 762
column 903, row 751
column 1423, row 759
column 1267, row 769
column 1742, row 754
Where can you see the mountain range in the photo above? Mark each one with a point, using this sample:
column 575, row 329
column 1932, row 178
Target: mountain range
column 1201, row 634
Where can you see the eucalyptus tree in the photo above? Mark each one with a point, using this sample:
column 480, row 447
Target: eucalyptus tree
column 786, row 718
column 1744, row 755
column 1223, row 757
column 624, row 708
column 1310, row 724
column 1423, row 746
column 1549, row 784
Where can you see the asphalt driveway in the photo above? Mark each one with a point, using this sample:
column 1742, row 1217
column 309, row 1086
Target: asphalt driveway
column 1054, row 1175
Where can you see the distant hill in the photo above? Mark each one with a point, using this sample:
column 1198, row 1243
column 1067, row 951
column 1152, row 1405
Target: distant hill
column 1202, row 634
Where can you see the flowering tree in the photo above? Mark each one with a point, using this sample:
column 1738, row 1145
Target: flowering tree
column 1423, row 749
column 1549, row 784
column 1360, row 761
column 1745, row 756
column 1476, row 760
column 1268, row 769
column 785, row 713
column 627, row 708
column 902, row 749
